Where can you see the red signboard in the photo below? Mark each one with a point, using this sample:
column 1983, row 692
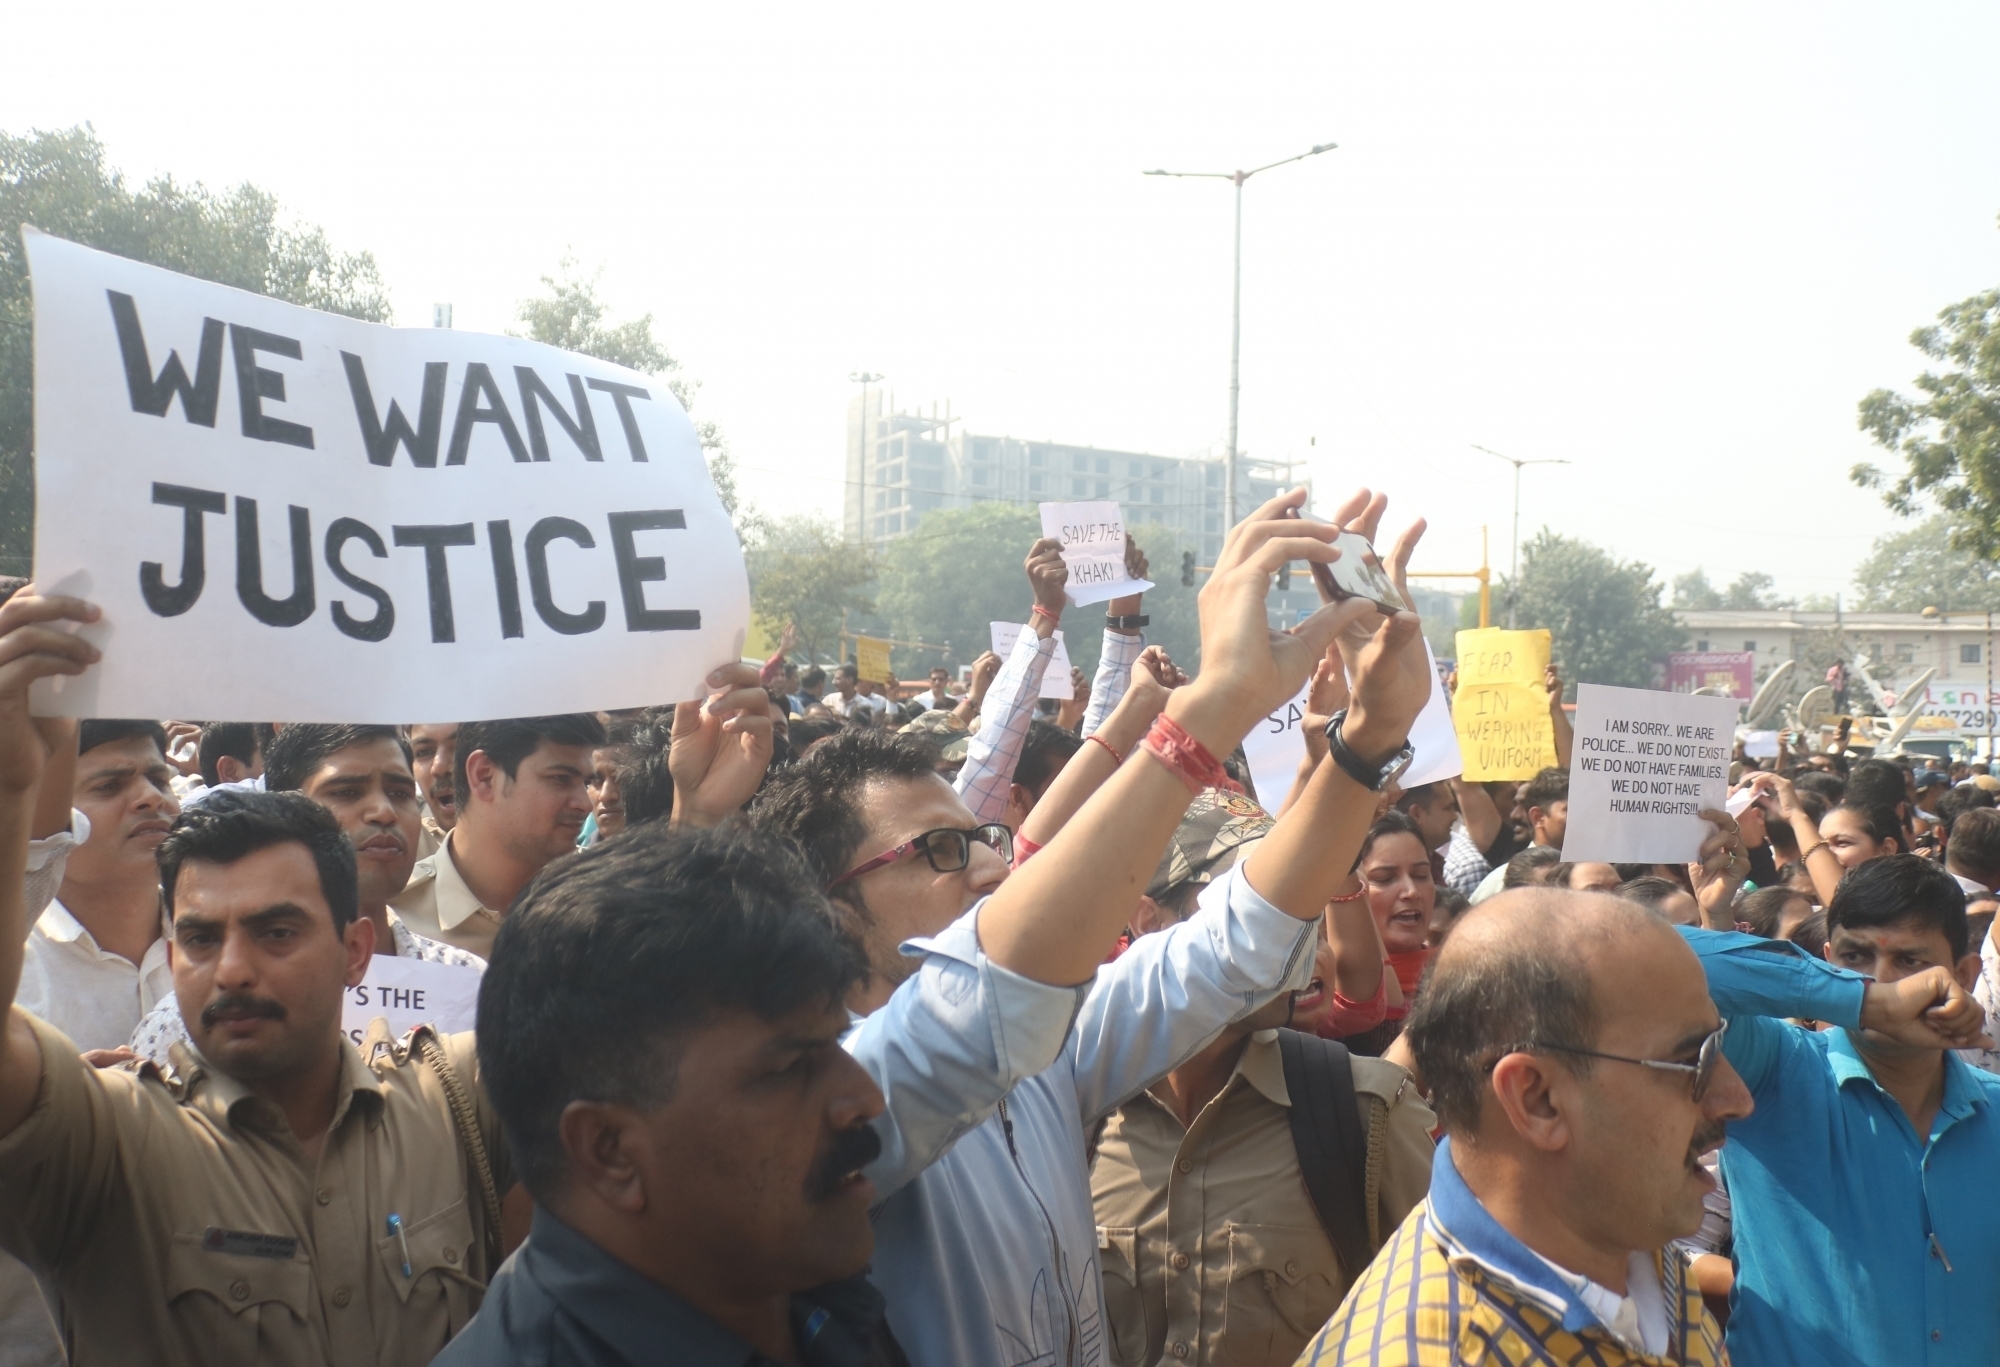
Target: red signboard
column 1729, row 674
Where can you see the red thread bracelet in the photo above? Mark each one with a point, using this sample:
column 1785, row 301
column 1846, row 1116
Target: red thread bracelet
column 1187, row 757
column 1354, row 896
column 1109, row 749
column 1055, row 618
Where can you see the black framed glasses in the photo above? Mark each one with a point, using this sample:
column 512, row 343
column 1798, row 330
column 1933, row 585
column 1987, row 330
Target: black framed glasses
column 1702, row 1069
column 947, row 849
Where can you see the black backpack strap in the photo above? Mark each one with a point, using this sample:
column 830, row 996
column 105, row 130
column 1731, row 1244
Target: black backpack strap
column 1331, row 1141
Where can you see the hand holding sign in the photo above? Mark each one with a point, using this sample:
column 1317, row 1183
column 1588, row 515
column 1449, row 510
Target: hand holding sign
column 1094, row 547
column 1056, row 678
column 720, row 747
column 1501, row 707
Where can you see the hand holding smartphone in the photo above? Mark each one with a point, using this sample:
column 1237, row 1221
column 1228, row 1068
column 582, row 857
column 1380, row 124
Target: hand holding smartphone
column 1358, row 573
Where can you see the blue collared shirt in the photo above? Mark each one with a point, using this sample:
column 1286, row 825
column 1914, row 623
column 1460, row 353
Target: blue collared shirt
column 1857, row 1241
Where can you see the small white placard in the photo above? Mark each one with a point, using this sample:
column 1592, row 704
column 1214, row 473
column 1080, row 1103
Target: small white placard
column 1645, row 764
column 1760, row 744
column 1055, row 680
column 1275, row 747
column 1093, row 546
column 410, row 992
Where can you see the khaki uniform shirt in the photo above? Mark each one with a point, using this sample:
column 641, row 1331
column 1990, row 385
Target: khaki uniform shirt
column 439, row 906
column 183, row 1224
column 1211, row 1249
column 430, row 835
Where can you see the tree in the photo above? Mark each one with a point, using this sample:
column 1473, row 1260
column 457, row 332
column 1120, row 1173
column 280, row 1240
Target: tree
column 1604, row 615
column 570, row 315
column 1949, row 437
column 802, row 572
column 1922, row 568
column 961, row 570
column 1754, row 591
column 59, row 182
column 1693, row 591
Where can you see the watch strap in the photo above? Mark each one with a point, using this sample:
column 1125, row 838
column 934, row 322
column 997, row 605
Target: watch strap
column 1129, row 622
column 1372, row 777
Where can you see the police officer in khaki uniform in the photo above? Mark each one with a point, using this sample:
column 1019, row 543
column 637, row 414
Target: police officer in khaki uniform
column 276, row 1196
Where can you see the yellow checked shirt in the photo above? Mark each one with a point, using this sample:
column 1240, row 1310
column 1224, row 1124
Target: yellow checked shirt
column 1426, row 1301
column 1211, row 1250
column 183, row 1224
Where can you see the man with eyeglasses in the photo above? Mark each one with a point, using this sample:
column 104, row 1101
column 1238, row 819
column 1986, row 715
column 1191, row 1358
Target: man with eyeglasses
column 1581, row 1071
column 996, row 1038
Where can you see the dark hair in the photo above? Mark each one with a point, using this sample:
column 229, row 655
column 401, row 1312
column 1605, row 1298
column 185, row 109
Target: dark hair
column 849, row 670
column 1975, row 845
column 1043, row 753
column 1423, row 795
column 11, row 584
column 1546, row 789
column 1523, row 867
column 1880, row 823
column 611, row 958
column 239, row 821
column 1876, row 783
column 1763, row 909
column 1650, row 891
column 806, row 730
column 239, row 740
column 1480, row 1001
column 814, row 803
column 814, row 677
column 645, row 783
column 102, row 731
column 1829, row 788
column 509, row 742
column 1810, row 934
column 1391, row 822
column 296, row 752
column 1900, row 887
column 1966, row 797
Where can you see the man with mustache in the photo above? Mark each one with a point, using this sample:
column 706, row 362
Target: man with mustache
column 661, row 1038
column 433, row 748
column 521, row 790
column 361, row 774
column 1577, row 1063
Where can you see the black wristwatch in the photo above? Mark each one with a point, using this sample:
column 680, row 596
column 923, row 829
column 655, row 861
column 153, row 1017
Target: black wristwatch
column 1369, row 776
column 1130, row 622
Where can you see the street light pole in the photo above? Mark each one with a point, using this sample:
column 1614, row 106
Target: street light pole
column 1236, row 312
column 1514, row 561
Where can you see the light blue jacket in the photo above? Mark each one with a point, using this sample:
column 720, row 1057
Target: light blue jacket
column 985, row 1243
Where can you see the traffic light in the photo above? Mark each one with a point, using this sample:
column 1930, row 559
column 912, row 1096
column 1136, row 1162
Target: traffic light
column 1187, row 569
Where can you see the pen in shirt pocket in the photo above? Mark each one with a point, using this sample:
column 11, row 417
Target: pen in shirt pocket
column 402, row 1239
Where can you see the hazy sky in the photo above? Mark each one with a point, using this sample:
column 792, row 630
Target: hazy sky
column 1673, row 244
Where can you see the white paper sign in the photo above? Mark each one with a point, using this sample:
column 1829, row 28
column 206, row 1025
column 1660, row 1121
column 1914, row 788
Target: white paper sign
column 1760, row 744
column 1433, row 737
column 292, row 516
column 1275, row 747
column 1093, row 542
column 410, row 992
column 1055, row 680
column 1645, row 763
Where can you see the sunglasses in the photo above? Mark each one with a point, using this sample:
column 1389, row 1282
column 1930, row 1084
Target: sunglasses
column 1702, row 1069
column 947, row 850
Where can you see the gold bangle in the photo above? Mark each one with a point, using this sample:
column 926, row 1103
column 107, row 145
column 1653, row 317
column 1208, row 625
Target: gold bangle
column 1813, row 851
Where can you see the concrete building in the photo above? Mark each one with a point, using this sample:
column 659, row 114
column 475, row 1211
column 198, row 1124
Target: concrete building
column 1894, row 645
column 902, row 465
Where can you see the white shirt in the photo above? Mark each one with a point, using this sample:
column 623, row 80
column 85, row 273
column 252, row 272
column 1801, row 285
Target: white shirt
column 94, row 997
column 1637, row 1319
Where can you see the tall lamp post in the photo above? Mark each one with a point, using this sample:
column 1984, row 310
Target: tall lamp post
column 1514, row 566
column 1236, row 311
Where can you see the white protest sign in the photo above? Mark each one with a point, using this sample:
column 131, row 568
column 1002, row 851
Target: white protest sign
column 1093, row 546
column 1275, row 748
column 1645, row 763
column 1760, row 744
column 1055, row 681
column 410, row 992
column 289, row 515
column 1433, row 737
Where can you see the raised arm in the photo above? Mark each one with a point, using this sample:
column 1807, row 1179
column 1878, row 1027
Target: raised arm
column 984, row 670
column 1476, row 809
column 1559, row 724
column 1121, row 648
column 1154, row 678
column 32, row 646
column 988, row 772
column 1821, row 864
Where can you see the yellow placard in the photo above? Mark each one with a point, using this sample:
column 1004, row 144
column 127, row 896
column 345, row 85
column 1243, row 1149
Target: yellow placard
column 1500, row 709
column 871, row 659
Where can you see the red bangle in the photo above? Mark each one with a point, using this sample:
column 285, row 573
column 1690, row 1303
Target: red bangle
column 1055, row 618
column 1109, row 749
column 1182, row 753
column 1354, row 896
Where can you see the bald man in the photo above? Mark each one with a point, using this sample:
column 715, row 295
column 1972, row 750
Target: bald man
column 1575, row 1060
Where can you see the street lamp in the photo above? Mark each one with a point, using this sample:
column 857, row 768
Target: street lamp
column 1236, row 311
column 1514, row 569
column 864, row 378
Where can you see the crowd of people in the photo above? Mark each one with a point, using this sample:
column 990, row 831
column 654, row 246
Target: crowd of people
column 833, row 1021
